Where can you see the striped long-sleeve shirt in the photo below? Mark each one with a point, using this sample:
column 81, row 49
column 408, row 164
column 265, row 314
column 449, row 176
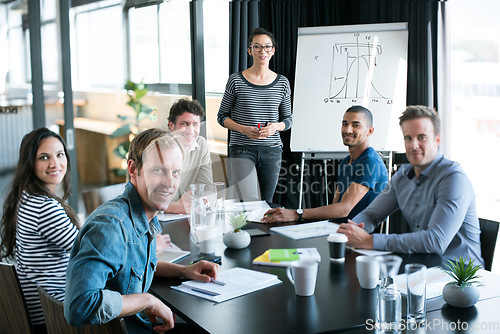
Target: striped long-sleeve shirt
column 249, row 104
column 44, row 238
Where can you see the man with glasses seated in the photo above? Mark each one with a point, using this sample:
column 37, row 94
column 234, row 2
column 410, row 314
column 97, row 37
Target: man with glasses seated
column 113, row 259
column 361, row 177
column 435, row 197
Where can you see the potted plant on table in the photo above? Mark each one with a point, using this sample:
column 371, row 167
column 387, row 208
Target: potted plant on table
column 462, row 291
column 237, row 238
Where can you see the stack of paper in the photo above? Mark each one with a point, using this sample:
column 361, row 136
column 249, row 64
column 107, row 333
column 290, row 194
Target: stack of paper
column 309, row 230
column 283, row 257
column 171, row 254
column 246, row 206
column 230, row 284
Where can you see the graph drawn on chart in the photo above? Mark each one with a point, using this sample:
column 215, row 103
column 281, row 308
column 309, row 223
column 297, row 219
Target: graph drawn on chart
column 354, row 65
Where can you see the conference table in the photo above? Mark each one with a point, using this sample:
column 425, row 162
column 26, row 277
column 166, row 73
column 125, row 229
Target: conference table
column 339, row 303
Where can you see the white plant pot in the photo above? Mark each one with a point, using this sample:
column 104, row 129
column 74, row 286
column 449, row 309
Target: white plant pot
column 236, row 240
column 455, row 296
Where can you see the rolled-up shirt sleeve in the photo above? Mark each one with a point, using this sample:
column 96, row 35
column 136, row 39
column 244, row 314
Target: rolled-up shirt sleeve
column 95, row 258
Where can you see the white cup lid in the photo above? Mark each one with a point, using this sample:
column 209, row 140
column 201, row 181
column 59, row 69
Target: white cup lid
column 337, row 237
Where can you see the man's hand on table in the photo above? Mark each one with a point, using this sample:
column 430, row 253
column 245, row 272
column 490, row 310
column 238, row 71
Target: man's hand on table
column 280, row 215
column 357, row 237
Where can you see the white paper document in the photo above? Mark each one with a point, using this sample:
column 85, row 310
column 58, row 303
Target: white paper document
column 370, row 252
column 230, row 284
column 162, row 216
column 171, row 254
column 245, row 206
column 255, row 216
column 308, row 230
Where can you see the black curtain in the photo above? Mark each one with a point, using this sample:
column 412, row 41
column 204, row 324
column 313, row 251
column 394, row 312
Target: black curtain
column 284, row 17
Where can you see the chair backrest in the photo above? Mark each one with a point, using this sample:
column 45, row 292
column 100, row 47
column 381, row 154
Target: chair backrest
column 489, row 235
column 53, row 311
column 92, row 198
column 14, row 316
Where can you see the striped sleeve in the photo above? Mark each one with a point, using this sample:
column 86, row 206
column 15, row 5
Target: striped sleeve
column 55, row 225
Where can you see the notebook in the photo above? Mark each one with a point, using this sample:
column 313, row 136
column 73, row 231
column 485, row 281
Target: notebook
column 283, row 257
column 171, row 254
column 230, row 284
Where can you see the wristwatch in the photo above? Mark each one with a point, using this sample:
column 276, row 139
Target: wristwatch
column 300, row 212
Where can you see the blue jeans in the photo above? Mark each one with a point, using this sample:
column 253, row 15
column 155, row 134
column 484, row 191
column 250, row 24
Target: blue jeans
column 248, row 165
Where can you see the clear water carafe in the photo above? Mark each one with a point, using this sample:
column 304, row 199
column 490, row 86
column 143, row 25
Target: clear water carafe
column 388, row 296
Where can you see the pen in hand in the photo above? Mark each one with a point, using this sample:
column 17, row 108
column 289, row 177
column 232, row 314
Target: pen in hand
column 217, row 282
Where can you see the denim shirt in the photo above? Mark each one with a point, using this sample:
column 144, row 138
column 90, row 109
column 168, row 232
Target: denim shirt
column 110, row 259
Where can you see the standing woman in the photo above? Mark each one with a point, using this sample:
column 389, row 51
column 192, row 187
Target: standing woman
column 255, row 107
column 37, row 227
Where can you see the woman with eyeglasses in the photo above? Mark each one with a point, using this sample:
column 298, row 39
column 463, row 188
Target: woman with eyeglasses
column 256, row 107
column 38, row 227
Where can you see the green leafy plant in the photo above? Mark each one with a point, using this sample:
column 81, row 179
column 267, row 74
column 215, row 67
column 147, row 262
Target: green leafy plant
column 131, row 126
column 238, row 220
column 463, row 274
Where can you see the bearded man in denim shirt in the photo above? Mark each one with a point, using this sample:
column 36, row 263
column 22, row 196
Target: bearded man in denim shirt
column 114, row 257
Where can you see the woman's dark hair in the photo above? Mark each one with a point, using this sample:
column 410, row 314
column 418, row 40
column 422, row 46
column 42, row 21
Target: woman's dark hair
column 26, row 180
column 261, row 31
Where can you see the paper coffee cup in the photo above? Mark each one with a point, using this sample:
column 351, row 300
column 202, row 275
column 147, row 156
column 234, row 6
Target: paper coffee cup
column 337, row 243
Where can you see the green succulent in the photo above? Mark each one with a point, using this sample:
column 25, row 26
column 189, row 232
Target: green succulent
column 238, row 220
column 463, row 274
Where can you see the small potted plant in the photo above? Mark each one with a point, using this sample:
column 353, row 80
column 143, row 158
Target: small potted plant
column 462, row 291
column 237, row 238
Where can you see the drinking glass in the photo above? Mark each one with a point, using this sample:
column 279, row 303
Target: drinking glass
column 388, row 296
column 415, row 283
column 220, row 188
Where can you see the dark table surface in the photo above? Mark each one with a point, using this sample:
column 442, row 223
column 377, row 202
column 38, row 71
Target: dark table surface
column 339, row 303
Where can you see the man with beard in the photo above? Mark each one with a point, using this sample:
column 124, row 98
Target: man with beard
column 361, row 177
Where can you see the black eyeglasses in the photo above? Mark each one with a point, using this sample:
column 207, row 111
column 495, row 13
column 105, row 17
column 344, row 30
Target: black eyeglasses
column 258, row 48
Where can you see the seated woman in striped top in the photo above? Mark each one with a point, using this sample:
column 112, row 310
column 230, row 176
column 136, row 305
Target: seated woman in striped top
column 38, row 227
column 255, row 107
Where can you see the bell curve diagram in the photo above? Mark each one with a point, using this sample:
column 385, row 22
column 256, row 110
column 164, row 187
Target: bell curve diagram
column 353, row 65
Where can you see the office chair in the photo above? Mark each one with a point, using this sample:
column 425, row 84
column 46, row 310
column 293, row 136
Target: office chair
column 92, row 198
column 14, row 316
column 53, row 311
column 488, row 238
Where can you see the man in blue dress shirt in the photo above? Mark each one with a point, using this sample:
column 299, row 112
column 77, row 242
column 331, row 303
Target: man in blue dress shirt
column 361, row 175
column 435, row 197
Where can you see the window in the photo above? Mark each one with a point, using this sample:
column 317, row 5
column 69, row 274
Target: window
column 175, row 42
column 97, row 49
column 475, row 100
column 216, row 27
column 144, row 54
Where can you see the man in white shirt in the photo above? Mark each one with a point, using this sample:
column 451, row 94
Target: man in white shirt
column 185, row 120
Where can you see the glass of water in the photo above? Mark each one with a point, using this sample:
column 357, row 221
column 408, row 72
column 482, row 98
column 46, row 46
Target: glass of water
column 388, row 296
column 220, row 188
column 415, row 283
column 388, row 310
